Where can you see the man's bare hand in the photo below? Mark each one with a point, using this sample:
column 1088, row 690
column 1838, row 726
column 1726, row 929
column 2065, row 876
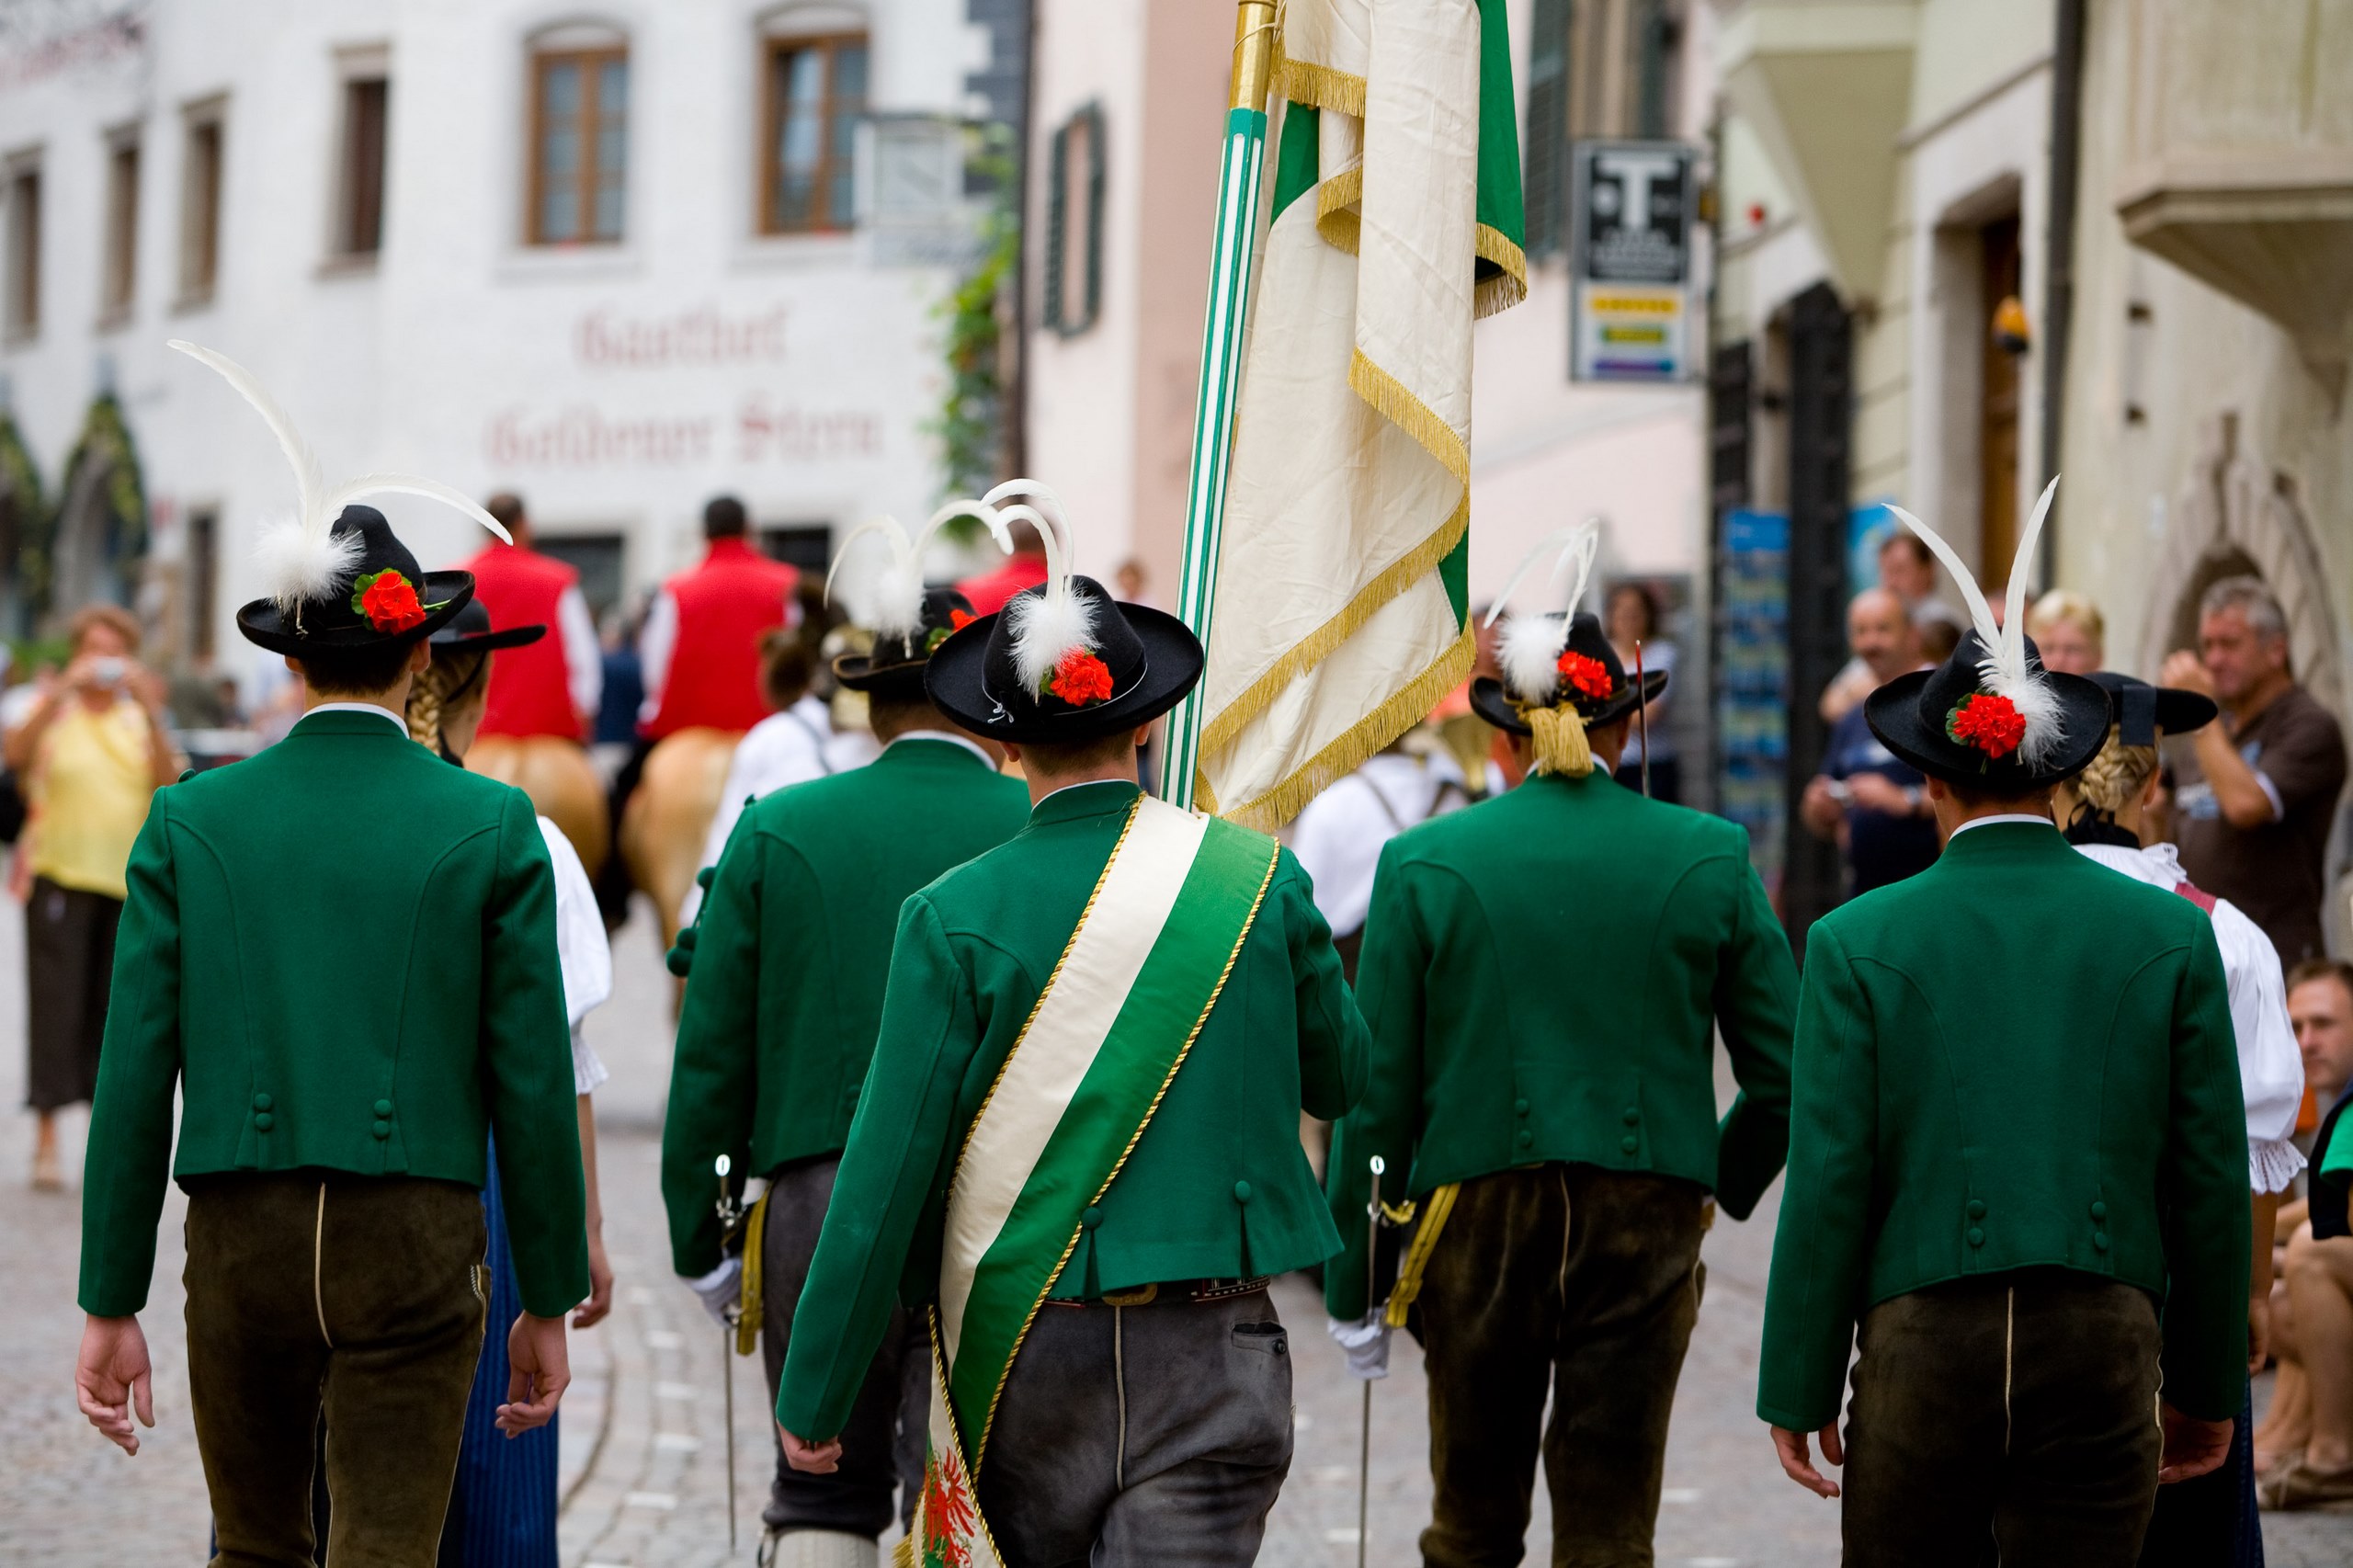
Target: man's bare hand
column 113, row 1378
column 1819, row 808
column 593, row 1311
column 2184, row 668
column 1797, row 1457
column 811, row 1459
column 2191, row 1446
column 538, row 1370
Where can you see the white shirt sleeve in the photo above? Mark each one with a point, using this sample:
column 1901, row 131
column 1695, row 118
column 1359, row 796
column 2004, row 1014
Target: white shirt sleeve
column 583, row 661
column 2271, row 1069
column 581, row 949
column 655, row 640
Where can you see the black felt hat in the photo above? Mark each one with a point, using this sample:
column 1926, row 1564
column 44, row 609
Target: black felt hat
column 378, row 598
column 1146, row 660
column 469, row 631
column 1925, row 717
column 2143, row 711
column 1596, row 703
column 894, row 666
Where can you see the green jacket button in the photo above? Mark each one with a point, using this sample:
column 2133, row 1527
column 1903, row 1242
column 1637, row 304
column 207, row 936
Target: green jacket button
column 1092, row 1217
column 186, row 774
column 1976, row 1237
column 261, row 1102
column 264, row 1122
column 1629, row 1142
column 1242, row 1192
column 678, row 960
column 2099, row 1240
column 382, row 1128
column 703, row 878
column 2100, row 1210
column 1633, row 1115
column 1527, row 1138
column 1977, row 1209
column 383, row 1107
column 1519, row 1108
column 688, row 937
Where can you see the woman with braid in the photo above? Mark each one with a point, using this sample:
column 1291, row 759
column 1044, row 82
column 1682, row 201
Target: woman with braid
column 2211, row 1519
column 502, row 1513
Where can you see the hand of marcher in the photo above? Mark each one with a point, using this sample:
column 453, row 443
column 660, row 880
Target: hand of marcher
column 2191, row 1446
column 1797, row 1458
column 720, row 1289
column 592, row 1312
column 113, row 1378
column 1366, row 1343
column 2185, row 669
column 810, row 1459
column 538, row 1370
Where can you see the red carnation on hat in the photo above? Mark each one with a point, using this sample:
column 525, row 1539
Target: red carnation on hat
column 1990, row 723
column 958, row 618
column 388, row 600
column 1080, row 678
column 1585, row 674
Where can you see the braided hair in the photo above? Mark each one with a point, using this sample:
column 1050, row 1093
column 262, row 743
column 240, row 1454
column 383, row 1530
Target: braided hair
column 2110, row 783
column 445, row 681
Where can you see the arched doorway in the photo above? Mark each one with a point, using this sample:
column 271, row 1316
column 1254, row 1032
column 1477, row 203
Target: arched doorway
column 100, row 547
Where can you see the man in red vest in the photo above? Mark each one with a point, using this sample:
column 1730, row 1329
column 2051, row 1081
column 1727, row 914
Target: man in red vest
column 700, row 647
column 1025, row 569
column 550, row 686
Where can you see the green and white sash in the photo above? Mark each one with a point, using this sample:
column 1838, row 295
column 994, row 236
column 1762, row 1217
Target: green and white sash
column 1126, row 1000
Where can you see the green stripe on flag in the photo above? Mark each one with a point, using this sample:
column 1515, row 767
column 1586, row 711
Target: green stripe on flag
column 1296, row 159
column 1114, row 1100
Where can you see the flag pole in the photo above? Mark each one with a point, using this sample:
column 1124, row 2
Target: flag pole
column 1228, row 297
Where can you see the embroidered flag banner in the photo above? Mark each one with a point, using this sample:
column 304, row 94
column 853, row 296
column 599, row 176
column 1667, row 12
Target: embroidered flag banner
column 1396, row 221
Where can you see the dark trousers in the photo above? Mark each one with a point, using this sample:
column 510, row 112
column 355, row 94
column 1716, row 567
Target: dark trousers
column 352, row 1300
column 1578, row 1282
column 882, row 1445
column 1153, row 1435
column 502, row 1507
column 2211, row 1521
column 69, row 964
column 2012, row 1414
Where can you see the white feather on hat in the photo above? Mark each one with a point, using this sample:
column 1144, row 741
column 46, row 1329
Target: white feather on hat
column 1054, row 622
column 1530, row 654
column 302, row 557
column 2003, row 671
column 890, row 603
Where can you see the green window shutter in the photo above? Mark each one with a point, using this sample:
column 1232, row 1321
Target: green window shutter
column 1656, row 35
column 1545, row 190
column 1074, row 270
column 1057, row 227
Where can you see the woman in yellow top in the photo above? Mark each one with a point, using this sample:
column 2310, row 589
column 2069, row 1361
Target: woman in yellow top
column 92, row 753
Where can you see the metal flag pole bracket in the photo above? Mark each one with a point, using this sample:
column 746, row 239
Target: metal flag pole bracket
column 731, row 1215
column 1371, row 1315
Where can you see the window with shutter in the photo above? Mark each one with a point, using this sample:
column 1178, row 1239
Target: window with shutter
column 1073, row 282
column 1546, row 185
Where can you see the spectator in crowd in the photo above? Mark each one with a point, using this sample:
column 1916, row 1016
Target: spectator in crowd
column 1134, row 583
column 1340, row 835
column 2320, row 1006
column 1872, row 802
column 622, row 682
column 1908, row 570
column 90, row 755
column 2253, row 809
column 2070, row 631
column 1633, row 615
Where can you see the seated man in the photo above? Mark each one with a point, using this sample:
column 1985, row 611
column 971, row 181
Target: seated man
column 2313, row 1307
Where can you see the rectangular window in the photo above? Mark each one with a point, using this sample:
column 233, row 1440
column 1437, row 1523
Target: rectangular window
column 579, row 145
column 201, row 208
column 23, row 316
column 1073, row 275
column 816, row 95
column 359, row 229
column 120, row 280
column 1545, row 186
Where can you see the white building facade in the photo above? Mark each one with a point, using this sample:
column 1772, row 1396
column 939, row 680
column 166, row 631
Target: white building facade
column 617, row 257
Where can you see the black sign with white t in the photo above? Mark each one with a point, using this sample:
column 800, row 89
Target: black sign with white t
column 1634, row 202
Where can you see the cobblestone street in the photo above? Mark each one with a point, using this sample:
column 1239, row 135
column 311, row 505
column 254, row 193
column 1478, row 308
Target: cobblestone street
column 643, row 1429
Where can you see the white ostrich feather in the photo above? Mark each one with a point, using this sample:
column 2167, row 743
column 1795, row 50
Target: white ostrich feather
column 1530, row 651
column 1053, row 622
column 2004, row 670
column 892, row 597
column 302, row 557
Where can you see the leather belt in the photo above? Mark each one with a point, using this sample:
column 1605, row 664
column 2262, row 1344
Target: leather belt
column 1182, row 1291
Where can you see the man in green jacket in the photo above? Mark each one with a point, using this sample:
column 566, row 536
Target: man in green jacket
column 788, row 959
column 1079, row 1137
column 2018, row 1160
column 1543, row 974
column 342, row 953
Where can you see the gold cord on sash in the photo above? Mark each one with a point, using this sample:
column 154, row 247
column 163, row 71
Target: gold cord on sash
column 747, row 1309
column 1417, row 1256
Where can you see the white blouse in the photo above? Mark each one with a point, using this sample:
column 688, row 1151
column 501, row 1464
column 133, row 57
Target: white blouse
column 2271, row 1069
column 582, row 951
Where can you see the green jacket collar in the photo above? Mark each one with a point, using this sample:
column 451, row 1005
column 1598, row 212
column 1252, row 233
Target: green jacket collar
column 922, row 748
column 2006, row 840
column 1076, row 802
column 377, row 724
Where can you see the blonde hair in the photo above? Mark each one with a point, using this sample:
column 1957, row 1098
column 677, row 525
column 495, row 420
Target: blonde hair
column 2114, row 780
column 446, row 677
column 2066, row 604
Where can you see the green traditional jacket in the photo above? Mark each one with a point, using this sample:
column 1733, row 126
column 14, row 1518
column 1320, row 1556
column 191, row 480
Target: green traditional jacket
column 1217, row 1188
column 342, row 951
column 786, row 992
column 2016, row 1059
column 1543, row 974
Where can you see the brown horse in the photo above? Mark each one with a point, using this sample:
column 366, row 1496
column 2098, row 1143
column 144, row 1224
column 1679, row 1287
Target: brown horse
column 561, row 782
column 663, row 825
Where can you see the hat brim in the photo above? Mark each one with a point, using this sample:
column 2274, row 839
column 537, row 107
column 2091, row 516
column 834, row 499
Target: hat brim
column 1489, row 701
column 487, row 642
column 1173, row 661
column 2180, row 710
column 860, row 673
column 265, row 625
column 1893, row 715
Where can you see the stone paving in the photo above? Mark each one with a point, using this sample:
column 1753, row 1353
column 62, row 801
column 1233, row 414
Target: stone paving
column 643, row 1426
